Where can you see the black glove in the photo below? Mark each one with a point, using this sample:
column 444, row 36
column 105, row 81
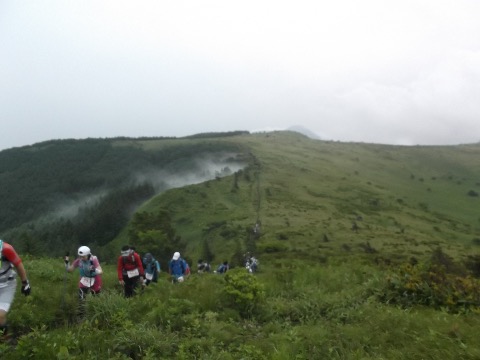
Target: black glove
column 26, row 288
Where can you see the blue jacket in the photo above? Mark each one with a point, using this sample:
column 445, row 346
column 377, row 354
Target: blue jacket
column 177, row 267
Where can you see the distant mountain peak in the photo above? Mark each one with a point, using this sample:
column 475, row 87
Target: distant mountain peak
column 304, row 131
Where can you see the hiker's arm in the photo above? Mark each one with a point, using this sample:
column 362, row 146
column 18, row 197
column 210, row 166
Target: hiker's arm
column 73, row 265
column 98, row 268
column 139, row 265
column 21, row 271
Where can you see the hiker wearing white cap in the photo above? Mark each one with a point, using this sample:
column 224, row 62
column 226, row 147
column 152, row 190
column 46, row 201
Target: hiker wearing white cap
column 90, row 272
column 177, row 267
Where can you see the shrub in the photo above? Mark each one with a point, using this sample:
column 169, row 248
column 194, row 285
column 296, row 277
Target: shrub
column 432, row 285
column 244, row 291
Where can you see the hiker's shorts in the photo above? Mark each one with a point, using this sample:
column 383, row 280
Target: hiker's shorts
column 7, row 293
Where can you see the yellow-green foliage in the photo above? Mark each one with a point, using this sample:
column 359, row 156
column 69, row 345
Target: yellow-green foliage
column 433, row 285
column 244, row 289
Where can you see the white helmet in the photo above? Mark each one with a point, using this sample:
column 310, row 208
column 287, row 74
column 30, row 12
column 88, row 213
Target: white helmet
column 84, row 251
column 176, row 256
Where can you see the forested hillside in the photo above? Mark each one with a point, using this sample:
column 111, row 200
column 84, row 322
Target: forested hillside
column 58, row 194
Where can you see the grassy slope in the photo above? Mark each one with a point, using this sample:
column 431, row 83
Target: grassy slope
column 301, row 190
column 405, row 200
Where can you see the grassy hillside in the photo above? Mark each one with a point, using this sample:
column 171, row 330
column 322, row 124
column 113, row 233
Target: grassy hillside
column 366, row 252
column 317, row 198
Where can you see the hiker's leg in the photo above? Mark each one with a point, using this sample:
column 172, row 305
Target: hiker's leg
column 7, row 294
column 135, row 283
column 82, row 293
column 128, row 287
column 3, row 318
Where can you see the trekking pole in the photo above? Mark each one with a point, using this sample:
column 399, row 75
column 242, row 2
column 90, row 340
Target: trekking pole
column 65, row 259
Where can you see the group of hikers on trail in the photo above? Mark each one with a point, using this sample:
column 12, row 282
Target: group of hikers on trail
column 132, row 272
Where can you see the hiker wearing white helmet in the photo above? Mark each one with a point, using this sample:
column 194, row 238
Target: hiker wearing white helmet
column 90, row 272
column 9, row 259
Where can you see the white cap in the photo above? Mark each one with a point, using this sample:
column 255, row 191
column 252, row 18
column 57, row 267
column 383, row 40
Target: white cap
column 83, row 251
column 176, row 256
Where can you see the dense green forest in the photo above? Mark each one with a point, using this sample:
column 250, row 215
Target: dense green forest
column 365, row 251
column 58, row 194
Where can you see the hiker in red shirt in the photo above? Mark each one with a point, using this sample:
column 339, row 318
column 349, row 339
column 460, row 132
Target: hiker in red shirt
column 130, row 270
column 8, row 283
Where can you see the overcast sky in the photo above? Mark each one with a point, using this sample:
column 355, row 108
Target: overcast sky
column 395, row 72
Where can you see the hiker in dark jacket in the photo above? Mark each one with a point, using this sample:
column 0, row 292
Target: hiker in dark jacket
column 223, row 268
column 130, row 270
column 151, row 267
column 203, row 267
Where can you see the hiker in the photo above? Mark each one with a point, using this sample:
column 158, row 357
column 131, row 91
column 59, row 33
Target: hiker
column 223, row 268
column 129, row 270
column 90, row 271
column 151, row 267
column 178, row 268
column 8, row 283
column 203, row 267
column 251, row 263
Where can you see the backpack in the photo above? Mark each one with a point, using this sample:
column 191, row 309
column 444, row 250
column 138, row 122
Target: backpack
column 85, row 268
column 129, row 259
column 178, row 264
column 186, row 268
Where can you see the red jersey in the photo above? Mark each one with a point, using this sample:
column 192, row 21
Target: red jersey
column 9, row 258
column 9, row 254
column 127, row 266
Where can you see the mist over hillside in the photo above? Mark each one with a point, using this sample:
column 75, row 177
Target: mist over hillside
column 74, row 190
column 74, row 187
column 304, row 131
column 201, row 168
